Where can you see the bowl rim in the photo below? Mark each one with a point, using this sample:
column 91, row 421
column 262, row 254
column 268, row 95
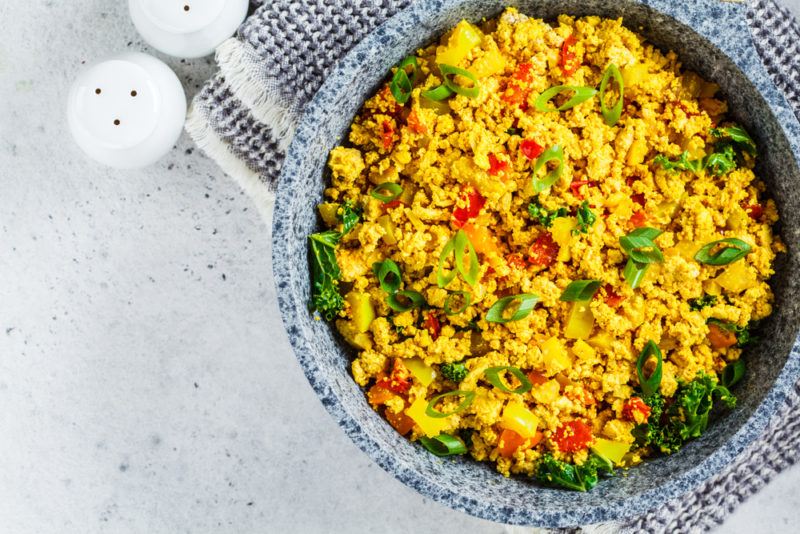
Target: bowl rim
column 746, row 59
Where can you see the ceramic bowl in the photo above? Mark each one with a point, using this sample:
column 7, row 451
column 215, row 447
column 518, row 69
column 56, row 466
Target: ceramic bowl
column 712, row 38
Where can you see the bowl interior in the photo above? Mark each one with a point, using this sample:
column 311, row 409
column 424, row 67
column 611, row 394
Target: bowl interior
column 475, row 487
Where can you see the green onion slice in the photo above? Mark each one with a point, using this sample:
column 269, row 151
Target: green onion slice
column 554, row 153
column 580, row 291
column 493, row 375
column 611, row 115
column 394, row 191
column 443, row 445
column 414, row 300
column 732, row 373
column 438, row 93
column 582, row 94
column 649, row 385
column 442, row 278
column 649, row 233
column 449, row 71
column 634, row 273
column 526, row 302
column 469, row 396
column 727, row 251
column 641, row 249
column 388, row 274
column 466, row 300
column 462, row 244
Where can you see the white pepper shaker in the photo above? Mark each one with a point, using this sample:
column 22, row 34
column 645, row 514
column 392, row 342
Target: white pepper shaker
column 187, row 28
column 127, row 111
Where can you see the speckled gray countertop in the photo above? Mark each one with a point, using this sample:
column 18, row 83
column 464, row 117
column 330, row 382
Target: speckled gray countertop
column 146, row 383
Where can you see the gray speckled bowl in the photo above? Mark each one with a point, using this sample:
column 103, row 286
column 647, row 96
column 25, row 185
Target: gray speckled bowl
column 712, row 38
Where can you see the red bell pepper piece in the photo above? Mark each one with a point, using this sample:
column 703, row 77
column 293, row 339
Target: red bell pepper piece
column 573, row 436
column 544, row 251
column 531, row 149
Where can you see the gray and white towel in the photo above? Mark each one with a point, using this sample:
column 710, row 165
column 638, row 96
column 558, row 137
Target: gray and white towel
column 244, row 118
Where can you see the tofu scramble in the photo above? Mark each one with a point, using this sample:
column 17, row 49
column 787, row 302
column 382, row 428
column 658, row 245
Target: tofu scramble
column 537, row 273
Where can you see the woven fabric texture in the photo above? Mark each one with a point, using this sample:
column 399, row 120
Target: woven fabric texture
column 245, row 116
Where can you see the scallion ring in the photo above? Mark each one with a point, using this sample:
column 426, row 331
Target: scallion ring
column 466, row 300
column 732, row 249
column 401, row 85
column 732, row 373
column 526, row 302
column 443, row 278
column 493, row 375
column 554, row 153
column 438, row 93
column 611, row 115
column 449, row 71
column 650, row 384
column 443, row 445
column 648, row 233
column 641, row 249
column 469, row 396
column 634, row 273
column 580, row 291
column 394, row 190
column 414, row 298
column 462, row 244
column 582, row 94
column 388, row 274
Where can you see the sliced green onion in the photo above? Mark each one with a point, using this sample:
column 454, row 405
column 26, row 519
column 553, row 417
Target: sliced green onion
column 734, row 249
column 580, row 291
column 492, row 374
column 641, row 249
column 649, row 385
column 649, row 233
column 388, row 274
column 449, row 70
column 526, row 301
column 634, row 273
column 611, row 115
column 582, row 94
column 442, row 278
column 401, row 85
column 448, row 303
column 463, row 243
column 438, row 93
column 732, row 373
column 394, row 190
column 469, row 396
column 414, row 298
column 554, row 153
column 443, row 445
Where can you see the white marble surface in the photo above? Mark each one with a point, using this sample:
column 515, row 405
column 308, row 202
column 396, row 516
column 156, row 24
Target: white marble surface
column 146, row 384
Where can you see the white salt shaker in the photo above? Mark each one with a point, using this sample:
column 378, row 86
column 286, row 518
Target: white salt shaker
column 127, row 111
column 187, row 28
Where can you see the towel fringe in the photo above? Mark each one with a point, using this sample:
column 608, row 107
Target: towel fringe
column 200, row 130
column 266, row 105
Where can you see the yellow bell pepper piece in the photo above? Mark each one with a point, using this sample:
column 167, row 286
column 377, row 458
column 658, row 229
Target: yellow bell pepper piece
column 492, row 62
column 562, row 234
column 602, row 341
column 464, row 38
column 580, row 322
column 521, row 420
column 430, row 426
column 737, row 277
column 633, row 75
column 361, row 310
column 555, row 356
column 328, row 211
column 386, row 222
column 420, row 370
column 481, row 238
column 611, row 450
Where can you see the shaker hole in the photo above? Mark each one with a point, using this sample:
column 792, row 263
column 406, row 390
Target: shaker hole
column 134, row 93
column 116, row 122
column 97, row 91
column 186, row 7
